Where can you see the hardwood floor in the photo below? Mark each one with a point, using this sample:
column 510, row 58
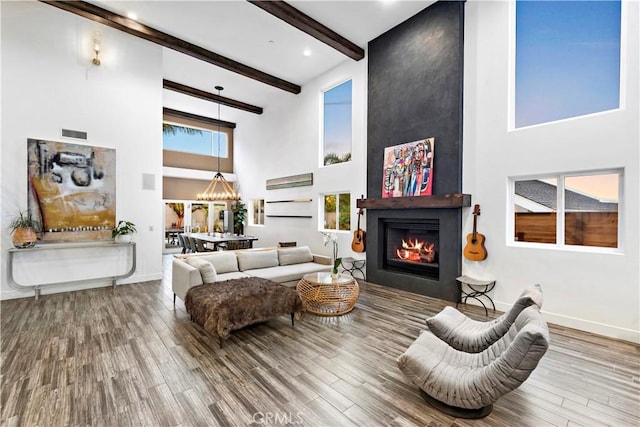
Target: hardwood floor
column 100, row 357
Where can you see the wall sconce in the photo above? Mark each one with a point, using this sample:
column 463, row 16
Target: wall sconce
column 96, row 48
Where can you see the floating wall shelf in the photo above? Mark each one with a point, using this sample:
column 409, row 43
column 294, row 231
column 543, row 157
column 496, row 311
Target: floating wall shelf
column 289, row 216
column 289, row 201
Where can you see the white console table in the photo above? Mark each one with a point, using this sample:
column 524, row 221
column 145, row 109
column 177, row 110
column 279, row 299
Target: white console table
column 42, row 251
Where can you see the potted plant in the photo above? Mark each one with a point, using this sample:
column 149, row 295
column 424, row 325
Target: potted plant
column 239, row 216
column 123, row 231
column 24, row 227
column 335, row 260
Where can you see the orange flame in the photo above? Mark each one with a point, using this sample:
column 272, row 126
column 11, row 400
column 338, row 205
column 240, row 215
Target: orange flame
column 416, row 251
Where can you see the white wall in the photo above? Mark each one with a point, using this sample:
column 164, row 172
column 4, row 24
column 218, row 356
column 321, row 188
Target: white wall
column 48, row 83
column 285, row 141
column 592, row 291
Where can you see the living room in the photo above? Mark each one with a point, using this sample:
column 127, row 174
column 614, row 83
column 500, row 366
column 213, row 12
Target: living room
column 48, row 84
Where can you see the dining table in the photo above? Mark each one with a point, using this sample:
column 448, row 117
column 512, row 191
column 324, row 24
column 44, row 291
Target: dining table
column 171, row 234
column 219, row 238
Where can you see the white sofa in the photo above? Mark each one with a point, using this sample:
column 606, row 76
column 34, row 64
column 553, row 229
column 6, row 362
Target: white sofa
column 282, row 265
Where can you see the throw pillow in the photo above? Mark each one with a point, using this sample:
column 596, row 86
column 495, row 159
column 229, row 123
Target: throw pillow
column 223, row 262
column 297, row 255
column 257, row 259
column 205, row 268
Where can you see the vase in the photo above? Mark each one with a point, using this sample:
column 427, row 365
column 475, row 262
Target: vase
column 335, row 275
column 24, row 238
column 123, row 238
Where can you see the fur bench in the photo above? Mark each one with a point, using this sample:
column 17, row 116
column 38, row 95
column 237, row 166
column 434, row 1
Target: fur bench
column 222, row 307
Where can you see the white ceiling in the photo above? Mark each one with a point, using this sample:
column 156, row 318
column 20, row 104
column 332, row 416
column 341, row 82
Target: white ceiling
column 243, row 32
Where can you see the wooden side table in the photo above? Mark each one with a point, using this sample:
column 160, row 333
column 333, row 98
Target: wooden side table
column 325, row 295
column 477, row 289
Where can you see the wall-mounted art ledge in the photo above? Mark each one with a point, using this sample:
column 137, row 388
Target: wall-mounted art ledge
column 301, row 180
column 440, row 201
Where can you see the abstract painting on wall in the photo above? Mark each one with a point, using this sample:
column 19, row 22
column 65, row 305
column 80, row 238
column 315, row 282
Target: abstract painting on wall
column 72, row 190
column 408, row 169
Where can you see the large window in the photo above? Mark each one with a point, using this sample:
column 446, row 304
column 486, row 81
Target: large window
column 567, row 59
column 336, row 124
column 194, row 140
column 568, row 209
column 337, row 211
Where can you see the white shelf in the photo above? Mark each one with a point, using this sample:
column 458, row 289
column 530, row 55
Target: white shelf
column 62, row 255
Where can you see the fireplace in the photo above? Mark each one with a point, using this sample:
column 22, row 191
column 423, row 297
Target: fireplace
column 412, row 247
column 430, row 260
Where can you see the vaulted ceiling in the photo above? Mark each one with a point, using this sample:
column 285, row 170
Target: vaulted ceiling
column 245, row 33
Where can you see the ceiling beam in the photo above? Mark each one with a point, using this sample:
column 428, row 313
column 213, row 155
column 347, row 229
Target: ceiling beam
column 119, row 22
column 307, row 24
column 197, row 118
column 207, row 96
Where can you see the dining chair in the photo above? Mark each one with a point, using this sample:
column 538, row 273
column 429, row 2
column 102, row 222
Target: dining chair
column 192, row 244
column 181, row 243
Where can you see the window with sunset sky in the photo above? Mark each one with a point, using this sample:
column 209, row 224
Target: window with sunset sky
column 567, row 59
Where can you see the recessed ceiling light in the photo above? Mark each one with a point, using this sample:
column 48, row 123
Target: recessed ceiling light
column 306, row 52
column 132, row 15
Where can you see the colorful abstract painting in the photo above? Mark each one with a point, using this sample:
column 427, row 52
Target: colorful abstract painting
column 408, row 169
column 72, row 190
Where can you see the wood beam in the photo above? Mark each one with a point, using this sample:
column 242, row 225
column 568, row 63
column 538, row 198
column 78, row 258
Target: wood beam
column 438, row 201
column 207, row 96
column 129, row 26
column 307, row 24
column 202, row 119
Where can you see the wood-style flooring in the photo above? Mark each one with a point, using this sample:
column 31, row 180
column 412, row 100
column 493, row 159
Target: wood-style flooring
column 129, row 358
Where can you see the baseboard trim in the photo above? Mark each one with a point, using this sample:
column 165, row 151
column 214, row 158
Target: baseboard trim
column 610, row 331
column 48, row 290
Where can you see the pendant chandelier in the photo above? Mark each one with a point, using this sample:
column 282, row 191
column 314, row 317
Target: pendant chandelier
column 219, row 189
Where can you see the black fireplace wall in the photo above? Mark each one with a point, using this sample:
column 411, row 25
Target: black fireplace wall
column 415, row 92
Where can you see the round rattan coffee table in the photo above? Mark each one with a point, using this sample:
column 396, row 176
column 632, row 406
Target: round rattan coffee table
column 325, row 295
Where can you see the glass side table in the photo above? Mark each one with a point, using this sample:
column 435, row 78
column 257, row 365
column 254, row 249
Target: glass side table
column 476, row 289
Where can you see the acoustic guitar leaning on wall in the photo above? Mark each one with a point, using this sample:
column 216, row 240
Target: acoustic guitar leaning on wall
column 475, row 250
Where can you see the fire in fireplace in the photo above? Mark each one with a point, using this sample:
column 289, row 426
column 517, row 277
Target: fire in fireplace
column 412, row 247
column 416, row 251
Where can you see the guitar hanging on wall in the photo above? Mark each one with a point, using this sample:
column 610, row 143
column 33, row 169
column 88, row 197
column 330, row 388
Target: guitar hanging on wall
column 357, row 245
column 475, row 250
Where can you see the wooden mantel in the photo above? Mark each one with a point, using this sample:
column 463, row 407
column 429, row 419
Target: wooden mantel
column 455, row 200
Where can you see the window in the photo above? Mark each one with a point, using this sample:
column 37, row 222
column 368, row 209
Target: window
column 258, row 212
column 337, row 211
column 568, row 209
column 199, row 217
column 567, row 59
column 218, row 216
column 336, row 124
column 173, row 214
column 194, row 140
